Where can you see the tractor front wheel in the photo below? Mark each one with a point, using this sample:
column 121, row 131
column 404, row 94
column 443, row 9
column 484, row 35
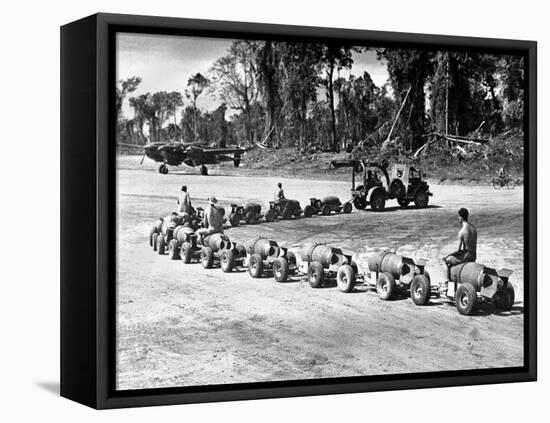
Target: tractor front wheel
column 161, row 244
column 185, row 252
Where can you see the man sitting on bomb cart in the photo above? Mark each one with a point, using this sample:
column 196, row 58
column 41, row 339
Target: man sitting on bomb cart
column 212, row 221
column 467, row 243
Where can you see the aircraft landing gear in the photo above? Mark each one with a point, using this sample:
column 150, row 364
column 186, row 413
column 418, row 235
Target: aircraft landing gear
column 204, row 170
column 163, row 169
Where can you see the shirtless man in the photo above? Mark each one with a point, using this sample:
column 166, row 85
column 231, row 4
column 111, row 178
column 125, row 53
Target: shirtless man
column 280, row 194
column 213, row 220
column 467, row 242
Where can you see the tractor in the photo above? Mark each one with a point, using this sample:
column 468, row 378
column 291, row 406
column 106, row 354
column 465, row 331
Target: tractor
column 326, row 205
column 250, row 213
column 283, row 208
column 472, row 283
column 162, row 232
column 394, row 273
column 403, row 182
column 321, row 262
column 264, row 255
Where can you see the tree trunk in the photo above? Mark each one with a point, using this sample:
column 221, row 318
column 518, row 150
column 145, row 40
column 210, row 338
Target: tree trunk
column 331, row 103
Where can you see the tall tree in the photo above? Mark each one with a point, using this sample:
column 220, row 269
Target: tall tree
column 195, row 87
column 409, row 69
column 334, row 57
column 123, row 88
column 234, row 76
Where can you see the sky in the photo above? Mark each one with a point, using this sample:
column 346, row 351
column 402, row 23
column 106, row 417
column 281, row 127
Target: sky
column 166, row 62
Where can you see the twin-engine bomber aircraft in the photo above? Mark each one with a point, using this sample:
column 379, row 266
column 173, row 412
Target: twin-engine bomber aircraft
column 176, row 153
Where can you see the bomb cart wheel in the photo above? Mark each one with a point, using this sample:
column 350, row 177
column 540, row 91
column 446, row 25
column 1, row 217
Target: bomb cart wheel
column 347, row 208
column 155, row 237
column 421, row 199
column 151, row 233
column 315, row 274
column 207, row 257
column 280, row 269
column 255, row 266
column 161, row 244
column 185, row 252
column 420, row 290
column 506, row 298
column 234, row 219
column 241, row 251
column 345, row 278
column 385, row 286
column 466, row 299
column 325, row 210
column 227, row 261
column 174, row 250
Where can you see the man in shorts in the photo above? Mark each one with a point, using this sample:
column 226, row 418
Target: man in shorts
column 212, row 221
column 467, row 242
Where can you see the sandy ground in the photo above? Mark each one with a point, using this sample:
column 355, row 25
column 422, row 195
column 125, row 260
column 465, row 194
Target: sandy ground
column 182, row 325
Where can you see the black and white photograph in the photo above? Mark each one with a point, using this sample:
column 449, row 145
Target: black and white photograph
column 294, row 209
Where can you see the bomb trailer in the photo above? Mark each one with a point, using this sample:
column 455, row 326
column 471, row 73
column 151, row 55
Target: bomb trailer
column 267, row 256
column 326, row 205
column 322, row 263
column 217, row 250
column 161, row 233
column 471, row 284
column 395, row 274
column 402, row 182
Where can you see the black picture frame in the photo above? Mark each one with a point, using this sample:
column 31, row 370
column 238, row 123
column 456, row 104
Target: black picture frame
column 87, row 231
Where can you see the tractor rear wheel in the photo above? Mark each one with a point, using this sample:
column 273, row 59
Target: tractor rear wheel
column 315, row 274
column 234, row 219
column 421, row 199
column 250, row 218
column 280, row 269
column 466, row 299
column 185, row 252
column 161, row 244
column 287, row 213
column 420, row 290
column 255, row 266
column 227, row 261
column 270, row 215
column 378, row 200
column 207, row 257
column 385, row 286
column 345, row 278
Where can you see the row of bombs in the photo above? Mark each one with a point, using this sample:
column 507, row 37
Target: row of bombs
column 251, row 213
column 471, row 284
